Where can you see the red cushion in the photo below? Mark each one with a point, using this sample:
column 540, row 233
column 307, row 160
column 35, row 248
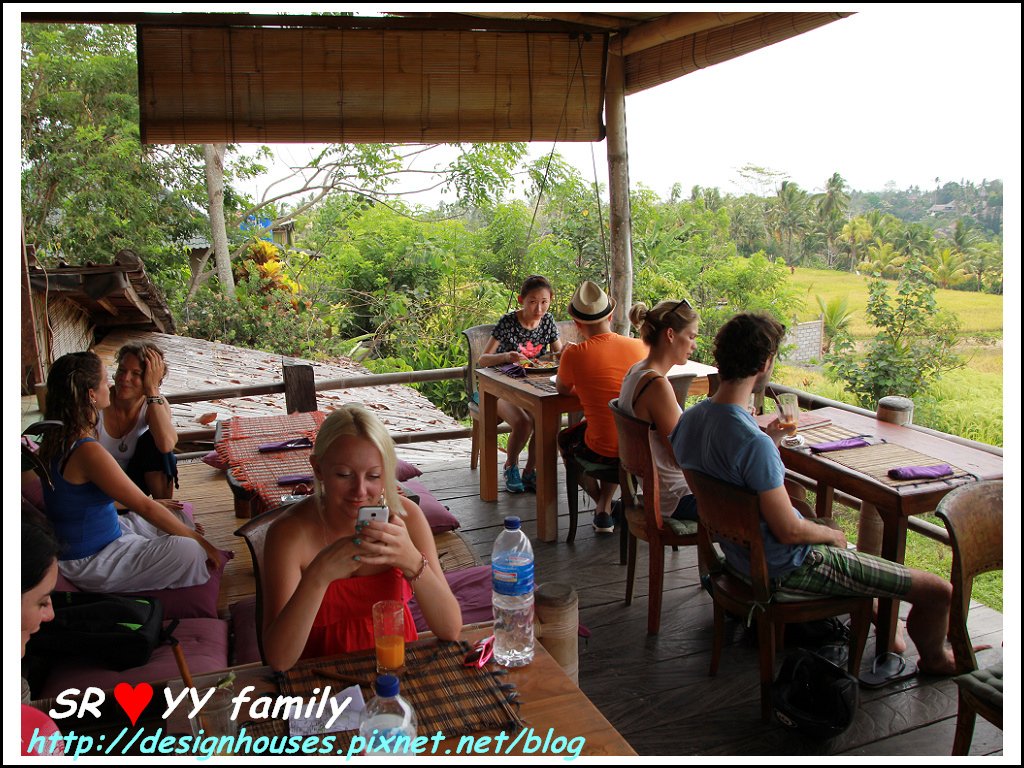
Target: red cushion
column 215, row 460
column 472, row 590
column 438, row 515
column 406, row 471
column 203, row 641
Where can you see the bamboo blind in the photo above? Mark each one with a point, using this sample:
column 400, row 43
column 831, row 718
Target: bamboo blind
column 676, row 58
column 201, row 85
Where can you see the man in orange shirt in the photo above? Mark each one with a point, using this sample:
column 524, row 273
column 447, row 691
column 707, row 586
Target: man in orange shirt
column 593, row 370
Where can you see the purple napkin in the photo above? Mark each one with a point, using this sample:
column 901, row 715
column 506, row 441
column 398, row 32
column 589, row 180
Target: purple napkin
column 512, row 370
column 839, row 445
column 286, row 445
column 294, row 479
column 920, row 473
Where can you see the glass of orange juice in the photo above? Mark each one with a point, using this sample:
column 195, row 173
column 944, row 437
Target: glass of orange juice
column 389, row 635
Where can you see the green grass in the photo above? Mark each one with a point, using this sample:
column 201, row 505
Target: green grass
column 981, row 314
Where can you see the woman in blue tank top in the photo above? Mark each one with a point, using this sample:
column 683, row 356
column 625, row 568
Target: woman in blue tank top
column 152, row 547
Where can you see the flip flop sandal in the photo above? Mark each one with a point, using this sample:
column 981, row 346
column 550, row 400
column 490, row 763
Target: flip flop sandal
column 888, row 668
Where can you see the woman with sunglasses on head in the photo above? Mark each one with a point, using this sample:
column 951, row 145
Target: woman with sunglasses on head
column 324, row 568
column 152, row 547
column 669, row 330
column 136, row 427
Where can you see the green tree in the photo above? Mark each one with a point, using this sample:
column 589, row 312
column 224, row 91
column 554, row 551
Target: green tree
column 88, row 187
column 912, row 348
column 830, row 208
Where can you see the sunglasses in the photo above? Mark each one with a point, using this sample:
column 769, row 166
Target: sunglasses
column 481, row 653
column 683, row 303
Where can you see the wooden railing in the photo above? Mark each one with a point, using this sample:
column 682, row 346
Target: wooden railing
column 300, row 388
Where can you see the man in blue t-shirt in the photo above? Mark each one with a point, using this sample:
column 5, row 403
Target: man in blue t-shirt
column 719, row 437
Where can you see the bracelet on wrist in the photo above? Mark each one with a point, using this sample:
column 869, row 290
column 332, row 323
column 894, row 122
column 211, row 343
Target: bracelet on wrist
column 156, row 400
column 416, row 576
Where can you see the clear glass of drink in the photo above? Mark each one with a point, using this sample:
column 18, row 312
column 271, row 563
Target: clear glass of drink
column 789, row 419
column 389, row 636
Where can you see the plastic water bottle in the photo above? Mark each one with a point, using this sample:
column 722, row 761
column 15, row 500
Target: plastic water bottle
column 389, row 722
column 512, row 596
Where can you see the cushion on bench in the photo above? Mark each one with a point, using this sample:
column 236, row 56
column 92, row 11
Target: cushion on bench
column 203, row 641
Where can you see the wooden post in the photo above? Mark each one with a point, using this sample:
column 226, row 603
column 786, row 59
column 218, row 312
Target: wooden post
column 618, row 193
column 557, row 625
column 299, row 389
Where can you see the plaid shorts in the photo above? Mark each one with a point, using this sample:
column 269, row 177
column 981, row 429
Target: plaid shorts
column 844, row 572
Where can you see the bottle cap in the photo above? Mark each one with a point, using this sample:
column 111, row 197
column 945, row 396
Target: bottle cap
column 512, row 523
column 387, row 685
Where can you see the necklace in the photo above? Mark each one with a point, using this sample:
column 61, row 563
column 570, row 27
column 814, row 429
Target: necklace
column 123, row 447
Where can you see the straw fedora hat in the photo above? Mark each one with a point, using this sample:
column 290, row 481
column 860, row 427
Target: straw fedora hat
column 590, row 304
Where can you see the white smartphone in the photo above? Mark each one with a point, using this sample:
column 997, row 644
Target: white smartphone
column 369, row 514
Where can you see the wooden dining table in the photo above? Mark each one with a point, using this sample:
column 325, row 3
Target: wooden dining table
column 536, row 394
column 548, row 703
column 861, row 473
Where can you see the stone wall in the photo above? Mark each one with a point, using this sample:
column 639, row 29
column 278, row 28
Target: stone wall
column 805, row 340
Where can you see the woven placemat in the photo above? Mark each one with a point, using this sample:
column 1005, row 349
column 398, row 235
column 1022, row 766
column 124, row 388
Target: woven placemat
column 545, row 385
column 876, row 461
column 447, row 696
column 268, row 427
column 826, row 433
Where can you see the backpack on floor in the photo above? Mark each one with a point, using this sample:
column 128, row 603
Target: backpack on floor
column 113, row 631
column 814, row 696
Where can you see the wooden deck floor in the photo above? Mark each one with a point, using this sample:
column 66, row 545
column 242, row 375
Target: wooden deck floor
column 656, row 690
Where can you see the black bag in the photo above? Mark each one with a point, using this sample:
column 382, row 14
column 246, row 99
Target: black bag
column 113, row 631
column 814, row 696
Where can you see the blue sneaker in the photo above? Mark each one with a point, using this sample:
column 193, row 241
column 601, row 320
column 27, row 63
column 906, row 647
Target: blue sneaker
column 513, row 481
column 530, row 480
column 603, row 523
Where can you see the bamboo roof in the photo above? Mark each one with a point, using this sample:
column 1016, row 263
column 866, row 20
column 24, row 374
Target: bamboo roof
column 416, row 77
column 113, row 295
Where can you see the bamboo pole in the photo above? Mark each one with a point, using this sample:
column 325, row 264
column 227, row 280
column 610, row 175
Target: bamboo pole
column 618, row 192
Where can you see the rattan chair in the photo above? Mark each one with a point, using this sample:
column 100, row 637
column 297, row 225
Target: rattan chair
column 973, row 515
column 476, row 341
column 734, row 514
column 255, row 534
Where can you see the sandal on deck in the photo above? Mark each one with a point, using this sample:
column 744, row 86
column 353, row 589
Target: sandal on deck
column 888, row 668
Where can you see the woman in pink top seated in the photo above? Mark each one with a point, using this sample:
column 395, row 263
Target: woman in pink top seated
column 324, row 571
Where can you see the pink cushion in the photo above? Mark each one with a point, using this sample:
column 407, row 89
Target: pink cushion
column 215, row 460
column 472, row 590
column 244, row 646
column 204, row 642
column 438, row 515
column 406, row 471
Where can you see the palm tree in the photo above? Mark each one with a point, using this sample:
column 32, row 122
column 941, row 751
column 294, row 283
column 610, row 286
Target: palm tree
column 987, row 262
column 831, row 207
column 789, row 213
column 946, row 268
column 836, row 316
column 882, row 259
column 856, row 232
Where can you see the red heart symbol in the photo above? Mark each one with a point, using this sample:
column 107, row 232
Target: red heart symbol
column 133, row 700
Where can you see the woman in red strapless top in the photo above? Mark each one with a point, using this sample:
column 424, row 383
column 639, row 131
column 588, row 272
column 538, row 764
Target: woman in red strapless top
column 324, row 571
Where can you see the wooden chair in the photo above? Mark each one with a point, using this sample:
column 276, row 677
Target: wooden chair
column 733, row 514
column 973, row 515
column 30, row 458
column 255, row 534
column 643, row 513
